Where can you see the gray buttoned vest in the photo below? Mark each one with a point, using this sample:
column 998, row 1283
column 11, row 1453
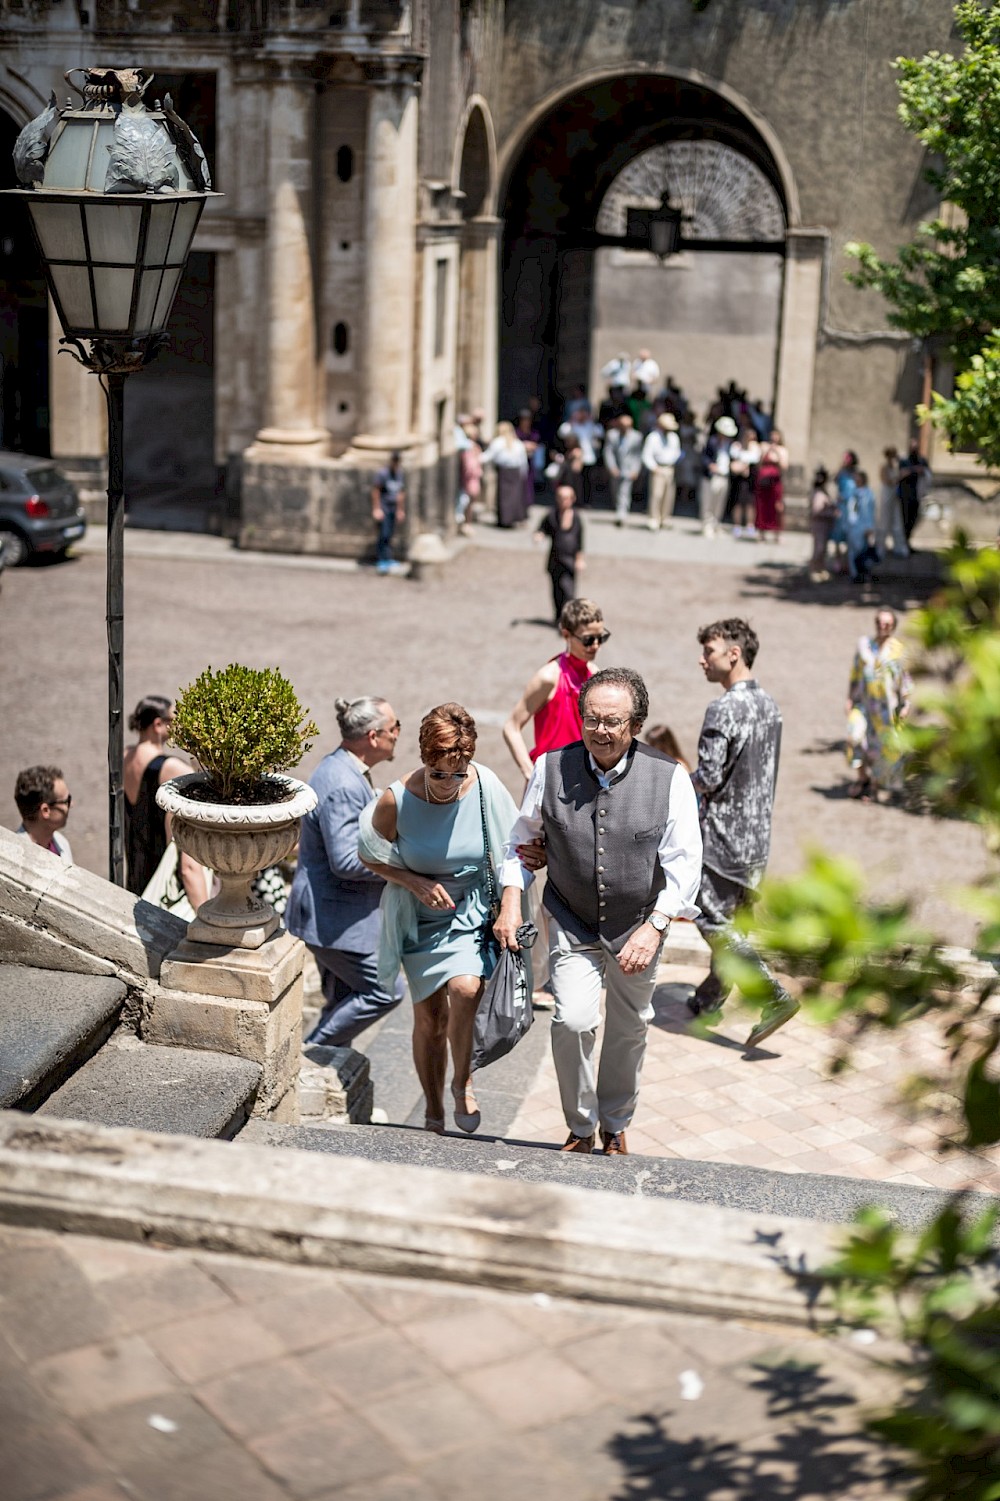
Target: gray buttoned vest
column 603, row 870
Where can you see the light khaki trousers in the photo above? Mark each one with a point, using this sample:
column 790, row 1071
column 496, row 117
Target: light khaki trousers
column 578, row 973
column 662, row 489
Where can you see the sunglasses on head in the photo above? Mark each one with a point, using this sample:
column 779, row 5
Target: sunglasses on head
column 598, row 638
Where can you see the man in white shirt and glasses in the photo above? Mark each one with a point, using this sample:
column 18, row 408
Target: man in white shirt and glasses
column 620, row 825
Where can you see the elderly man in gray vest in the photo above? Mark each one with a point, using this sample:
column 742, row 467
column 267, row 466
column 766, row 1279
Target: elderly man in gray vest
column 620, row 825
column 334, row 901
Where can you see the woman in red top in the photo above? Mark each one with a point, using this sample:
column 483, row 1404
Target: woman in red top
column 552, row 696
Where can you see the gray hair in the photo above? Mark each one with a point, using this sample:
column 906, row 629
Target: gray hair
column 356, row 716
column 619, row 677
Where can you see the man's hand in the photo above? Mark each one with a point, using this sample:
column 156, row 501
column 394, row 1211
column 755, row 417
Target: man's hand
column 430, row 892
column 534, row 855
column 640, row 950
column 377, row 513
column 506, row 926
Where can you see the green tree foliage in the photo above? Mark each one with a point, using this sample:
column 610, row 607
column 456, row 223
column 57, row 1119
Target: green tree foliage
column 242, row 725
column 971, row 417
column 943, row 284
column 860, row 965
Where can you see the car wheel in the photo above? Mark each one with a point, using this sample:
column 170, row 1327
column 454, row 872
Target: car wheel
column 15, row 549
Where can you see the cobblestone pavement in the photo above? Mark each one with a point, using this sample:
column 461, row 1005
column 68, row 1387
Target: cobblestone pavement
column 706, row 1099
column 154, row 1375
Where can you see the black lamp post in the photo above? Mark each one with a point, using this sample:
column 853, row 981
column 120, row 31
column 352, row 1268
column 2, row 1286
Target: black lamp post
column 114, row 193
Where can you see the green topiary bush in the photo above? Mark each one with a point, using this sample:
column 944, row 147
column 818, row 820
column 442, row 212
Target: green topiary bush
column 242, row 725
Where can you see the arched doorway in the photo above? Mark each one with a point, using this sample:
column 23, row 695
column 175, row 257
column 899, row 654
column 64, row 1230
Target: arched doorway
column 596, row 151
column 24, row 326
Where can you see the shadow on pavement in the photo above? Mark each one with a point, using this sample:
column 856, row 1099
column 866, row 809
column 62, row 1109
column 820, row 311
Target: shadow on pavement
column 903, row 587
column 812, row 1456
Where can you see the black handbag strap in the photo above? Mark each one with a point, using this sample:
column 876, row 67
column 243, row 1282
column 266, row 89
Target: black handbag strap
column 491, row 885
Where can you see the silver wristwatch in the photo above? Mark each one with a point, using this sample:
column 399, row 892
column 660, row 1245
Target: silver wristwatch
column 659, row 921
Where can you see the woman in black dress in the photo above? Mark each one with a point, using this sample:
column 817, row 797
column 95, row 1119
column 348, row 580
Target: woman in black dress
column 564, row 529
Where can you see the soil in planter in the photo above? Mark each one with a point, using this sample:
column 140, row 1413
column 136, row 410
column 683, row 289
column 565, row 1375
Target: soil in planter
column 266, row 792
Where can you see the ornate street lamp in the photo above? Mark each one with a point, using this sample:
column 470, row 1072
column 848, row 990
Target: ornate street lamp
column 659, row 227
column 114, row 192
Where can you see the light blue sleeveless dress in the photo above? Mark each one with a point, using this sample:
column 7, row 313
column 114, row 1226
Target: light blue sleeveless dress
column 444, row 840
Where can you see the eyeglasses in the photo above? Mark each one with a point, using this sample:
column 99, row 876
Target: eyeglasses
column 390, row 729
column 61, row 802
column 448, row 776
column 612, row 725
column 596, row 640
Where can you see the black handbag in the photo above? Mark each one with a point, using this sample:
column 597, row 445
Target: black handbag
column 504, row 1013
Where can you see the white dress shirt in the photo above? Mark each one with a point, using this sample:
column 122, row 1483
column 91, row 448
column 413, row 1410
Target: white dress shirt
column 679, row 850
column 661, row 450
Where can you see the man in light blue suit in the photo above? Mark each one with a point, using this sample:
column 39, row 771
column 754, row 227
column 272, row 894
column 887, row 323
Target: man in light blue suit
column 334, row 901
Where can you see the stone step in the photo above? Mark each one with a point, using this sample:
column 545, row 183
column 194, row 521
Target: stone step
column 813, row 1196
column 51, row 1022
column 180, row 1091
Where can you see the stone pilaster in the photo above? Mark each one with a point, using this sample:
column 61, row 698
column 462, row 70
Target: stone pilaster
column 478, row 317
column 290, row 404
column 390, row 216
column 800, row 318
column 78, row 432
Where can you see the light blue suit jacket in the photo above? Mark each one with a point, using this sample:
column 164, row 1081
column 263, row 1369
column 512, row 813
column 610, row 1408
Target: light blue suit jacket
column 334, row 899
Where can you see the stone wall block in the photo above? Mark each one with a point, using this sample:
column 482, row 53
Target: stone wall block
column 335, row 1087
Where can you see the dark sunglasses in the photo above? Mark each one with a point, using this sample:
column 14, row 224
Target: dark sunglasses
column 61, row 802
column 597, row 640
column 448, row 776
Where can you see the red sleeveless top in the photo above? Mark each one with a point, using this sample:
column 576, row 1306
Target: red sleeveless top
column 558, row 722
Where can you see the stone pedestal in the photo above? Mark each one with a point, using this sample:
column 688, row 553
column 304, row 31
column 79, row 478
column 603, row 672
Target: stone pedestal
column 335, row 1087
column 800, row 316
column 247, row 1002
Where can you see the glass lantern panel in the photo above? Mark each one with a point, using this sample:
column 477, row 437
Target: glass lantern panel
column 113, row 230
column 59, row 229
column 165, row 300
column 114, row 298
column 184, row 228
column 72, row 284
column 66, row 165
column 102, row 155
column 149, row 291
column 161, row 223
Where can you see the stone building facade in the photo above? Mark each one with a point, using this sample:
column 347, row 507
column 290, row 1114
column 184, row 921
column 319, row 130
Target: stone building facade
column 410, row 224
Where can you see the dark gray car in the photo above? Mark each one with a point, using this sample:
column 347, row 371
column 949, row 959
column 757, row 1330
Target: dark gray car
column 39, row 508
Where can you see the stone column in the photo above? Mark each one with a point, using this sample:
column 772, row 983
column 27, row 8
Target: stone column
column 800, row 316
column 78, row 432
column 390, row 219
column 290, row 408
column 478, row 317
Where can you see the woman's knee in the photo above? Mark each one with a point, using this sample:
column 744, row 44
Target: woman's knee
column 465, row 989
column 430, row 1017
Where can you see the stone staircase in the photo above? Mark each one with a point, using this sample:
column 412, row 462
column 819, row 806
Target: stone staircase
column 67, row 1051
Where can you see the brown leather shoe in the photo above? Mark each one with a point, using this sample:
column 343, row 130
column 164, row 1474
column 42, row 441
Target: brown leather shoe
column 579, row 1144
column 613, row 1143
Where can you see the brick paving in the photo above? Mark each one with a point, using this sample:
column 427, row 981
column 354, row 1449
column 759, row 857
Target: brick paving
column 706, row 1098
column 199, row 1377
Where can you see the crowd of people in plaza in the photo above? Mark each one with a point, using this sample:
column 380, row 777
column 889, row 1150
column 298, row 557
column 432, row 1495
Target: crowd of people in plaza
column 644, row 453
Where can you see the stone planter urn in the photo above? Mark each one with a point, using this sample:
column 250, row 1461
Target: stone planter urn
column 236, row 841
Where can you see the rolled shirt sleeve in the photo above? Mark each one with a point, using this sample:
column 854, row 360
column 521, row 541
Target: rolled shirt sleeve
column 527, row 827
column 680, row 850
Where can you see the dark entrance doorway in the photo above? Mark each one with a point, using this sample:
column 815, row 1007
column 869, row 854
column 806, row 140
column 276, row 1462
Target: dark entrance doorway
column 24, row 325
column 577, row 158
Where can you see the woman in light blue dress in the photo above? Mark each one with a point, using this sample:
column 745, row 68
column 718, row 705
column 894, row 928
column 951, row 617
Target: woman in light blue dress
column 437, row 838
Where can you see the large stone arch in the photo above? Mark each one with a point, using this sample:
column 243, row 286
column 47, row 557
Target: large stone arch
column 513, row 146
column 555, row 170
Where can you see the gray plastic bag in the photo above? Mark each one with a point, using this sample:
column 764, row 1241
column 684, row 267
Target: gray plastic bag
column 504, row 1013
